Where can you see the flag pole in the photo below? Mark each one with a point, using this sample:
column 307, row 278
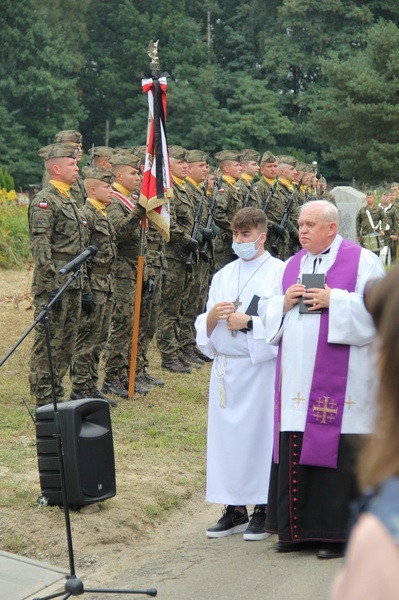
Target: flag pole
column 155, row 68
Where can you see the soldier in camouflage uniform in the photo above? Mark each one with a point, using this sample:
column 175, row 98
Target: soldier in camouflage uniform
column 392, row 226
column 100, row 155
column 322, row 193
column 95, row 324
column 196, row 291
column 230, row 200
column 271, row 200
column 177, row 253
column 249, row 160
column 303, row 193
column 56, row 238
column 77, row 191
column 151, row 296
column 370, row 219
column 287, row 176
column 125, row 215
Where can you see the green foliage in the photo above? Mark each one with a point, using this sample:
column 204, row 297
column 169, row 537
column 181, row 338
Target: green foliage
column 6, row 180
column 241, row 74
column 358, row 112
column 14, row 239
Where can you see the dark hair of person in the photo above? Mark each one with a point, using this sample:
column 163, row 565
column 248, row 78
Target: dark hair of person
column 249, row 218
column 379, row 458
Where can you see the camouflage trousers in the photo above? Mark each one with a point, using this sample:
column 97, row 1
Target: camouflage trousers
column 149, row 313
column 193, row 303
column 64, row 326
column 168, row 334
column 92, row 337
column 276, row 246
column 120, row 337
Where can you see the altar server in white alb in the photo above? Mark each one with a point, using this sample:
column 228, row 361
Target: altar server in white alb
column 326, row 383
column 240, row 418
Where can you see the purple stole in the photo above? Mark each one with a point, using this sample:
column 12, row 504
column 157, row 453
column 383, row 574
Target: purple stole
column 324, row 417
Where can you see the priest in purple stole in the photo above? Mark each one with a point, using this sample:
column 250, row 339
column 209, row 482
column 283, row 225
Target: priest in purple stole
column 325, row 386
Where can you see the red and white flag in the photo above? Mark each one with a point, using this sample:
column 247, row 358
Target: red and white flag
column 156, row 187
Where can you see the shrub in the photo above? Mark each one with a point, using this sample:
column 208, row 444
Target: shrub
column 14, row 235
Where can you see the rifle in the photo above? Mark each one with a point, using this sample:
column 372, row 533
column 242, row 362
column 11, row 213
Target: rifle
column 212, row 210
column 287, row 211
column 197, row 224
column 248, row 194
column 272, row 190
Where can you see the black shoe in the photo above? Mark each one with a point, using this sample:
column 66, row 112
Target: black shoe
column 190, row 356
column 256, row 528
column 124, row 379
column 176, row 366
column 232, row 521
column 330, row 550
column 201, row 355
column 141, row 386
column 97, row 394
column 292, row 546
column 80, row 394
column 152, row 380
column 190, row 365
column 115, row 387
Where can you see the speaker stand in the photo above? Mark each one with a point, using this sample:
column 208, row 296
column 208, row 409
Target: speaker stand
column 73, row 585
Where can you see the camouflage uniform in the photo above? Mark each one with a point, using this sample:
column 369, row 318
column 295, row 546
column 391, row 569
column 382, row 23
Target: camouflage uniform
column 94, row 328
column 249, row 187
column 229, row 201
column 150, row 308
column 126, row 223
column 194, row 296
column 391, row 228
column 57, row 237
column 177, row 252
column 286, row 189
column 363, row 225
column 275, row 244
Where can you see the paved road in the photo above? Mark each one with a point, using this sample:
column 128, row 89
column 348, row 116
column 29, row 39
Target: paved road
column 188, row 566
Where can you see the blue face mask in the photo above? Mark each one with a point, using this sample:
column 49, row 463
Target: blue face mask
column 246, row 250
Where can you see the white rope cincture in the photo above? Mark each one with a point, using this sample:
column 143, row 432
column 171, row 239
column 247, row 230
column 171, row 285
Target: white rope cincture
column 221, row 373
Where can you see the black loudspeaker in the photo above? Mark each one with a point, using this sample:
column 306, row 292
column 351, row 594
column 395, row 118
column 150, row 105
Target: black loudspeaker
column 88, row 449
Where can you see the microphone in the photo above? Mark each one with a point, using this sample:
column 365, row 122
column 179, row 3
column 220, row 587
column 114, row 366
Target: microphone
column 79, row 260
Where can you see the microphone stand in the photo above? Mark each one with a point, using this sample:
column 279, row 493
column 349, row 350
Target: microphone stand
column 73, row 585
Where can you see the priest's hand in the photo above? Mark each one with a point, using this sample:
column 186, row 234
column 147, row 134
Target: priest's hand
column 317, row 298
column 293, row 295
column 219, row 312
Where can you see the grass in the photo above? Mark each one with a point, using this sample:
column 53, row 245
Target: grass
column 14, row 238
column 159, row 444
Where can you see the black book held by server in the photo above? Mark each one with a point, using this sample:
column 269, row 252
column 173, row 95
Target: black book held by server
column 88, row 451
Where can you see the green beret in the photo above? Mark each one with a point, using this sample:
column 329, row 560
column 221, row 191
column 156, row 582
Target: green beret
column 178, row 152
column 287, row 160
column 123, row 158
column 58, row 151
column 228, row 155
column 98, row 173
column 248, row 154
column 69, row 135
column 101, row 152
column 197, row 156
column 370, row 193
column 268, row 157
column 322, row 180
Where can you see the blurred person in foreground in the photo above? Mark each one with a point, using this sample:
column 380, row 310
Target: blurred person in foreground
column 371, row 567
column 326, row 383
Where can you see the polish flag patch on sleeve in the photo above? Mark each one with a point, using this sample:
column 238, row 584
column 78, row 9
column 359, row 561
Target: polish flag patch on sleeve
column 43, row 204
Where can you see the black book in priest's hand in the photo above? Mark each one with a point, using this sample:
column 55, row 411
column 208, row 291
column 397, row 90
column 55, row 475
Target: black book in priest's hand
column 311, row 280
